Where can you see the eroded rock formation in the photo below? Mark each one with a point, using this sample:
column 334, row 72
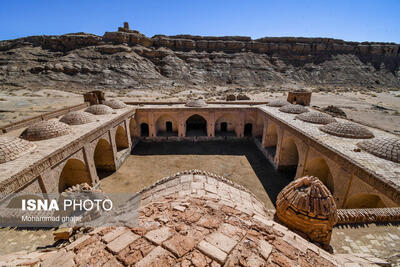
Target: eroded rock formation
column 129, row 59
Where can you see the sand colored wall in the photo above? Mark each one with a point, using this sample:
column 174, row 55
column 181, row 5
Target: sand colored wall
column 363, row 191
column 229, row 118
column 162, row 120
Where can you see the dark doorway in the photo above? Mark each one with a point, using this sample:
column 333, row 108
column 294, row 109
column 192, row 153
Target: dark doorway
column 168, row 125
column 196, row 125
column 248, row 129
column 224, row 127
column 144, row 130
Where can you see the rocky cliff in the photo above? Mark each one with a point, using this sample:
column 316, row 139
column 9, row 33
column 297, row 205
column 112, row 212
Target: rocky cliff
column 129, row 59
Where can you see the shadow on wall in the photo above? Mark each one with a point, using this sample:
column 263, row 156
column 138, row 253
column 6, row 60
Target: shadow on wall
column 273, row 181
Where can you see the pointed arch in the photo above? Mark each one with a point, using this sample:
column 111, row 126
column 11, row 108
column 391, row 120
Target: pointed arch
column 319, row 168
column 166, row 125
column 103, row 156
column 225, row 125
column 271, row 139
column 196, row 125
column 289, row 155
column 364, row 201
column 74, row 172
column 121, row 138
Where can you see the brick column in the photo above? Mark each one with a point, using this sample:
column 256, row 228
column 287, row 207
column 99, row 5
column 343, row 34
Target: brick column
column 181, row 125
column 152, row 127
column 211, row 124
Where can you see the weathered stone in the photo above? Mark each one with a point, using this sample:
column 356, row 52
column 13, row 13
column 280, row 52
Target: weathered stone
column 159, row 235
column 307, row 205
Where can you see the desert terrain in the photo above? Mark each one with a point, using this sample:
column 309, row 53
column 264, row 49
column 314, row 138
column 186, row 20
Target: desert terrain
column 380, row 110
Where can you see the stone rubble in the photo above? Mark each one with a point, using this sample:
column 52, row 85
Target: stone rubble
column 210, row 231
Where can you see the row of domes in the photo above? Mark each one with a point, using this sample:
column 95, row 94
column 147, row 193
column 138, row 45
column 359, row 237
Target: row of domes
column 386, row 148
column 12, row 147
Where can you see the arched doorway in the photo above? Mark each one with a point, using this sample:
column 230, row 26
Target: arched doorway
column 196, row 125
column 144, row 129
column 121, row 139
column 74, row 172
column 271, row 139
column 103, row 158
column 289, row 156
column 320, row 169
column 248, row 129
column 364, row 201
column 166, row 126
column 225, row 125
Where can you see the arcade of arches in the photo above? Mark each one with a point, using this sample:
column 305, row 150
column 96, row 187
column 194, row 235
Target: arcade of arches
column 121, row 139
column 284, row 149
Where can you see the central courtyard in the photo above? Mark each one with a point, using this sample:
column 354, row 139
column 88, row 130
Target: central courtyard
column 238, row 160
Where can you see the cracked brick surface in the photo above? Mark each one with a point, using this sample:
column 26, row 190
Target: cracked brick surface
column 219, row 236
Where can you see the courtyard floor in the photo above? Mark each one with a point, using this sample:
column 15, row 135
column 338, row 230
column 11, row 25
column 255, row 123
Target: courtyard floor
column 239, row 161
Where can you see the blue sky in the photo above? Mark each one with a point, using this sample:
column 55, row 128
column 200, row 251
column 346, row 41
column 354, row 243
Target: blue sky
column 351, row 20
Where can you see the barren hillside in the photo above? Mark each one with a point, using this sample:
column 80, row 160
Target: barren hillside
column 128, row 59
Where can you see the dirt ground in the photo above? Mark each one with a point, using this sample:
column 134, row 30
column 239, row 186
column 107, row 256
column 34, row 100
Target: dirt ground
column 239, row 161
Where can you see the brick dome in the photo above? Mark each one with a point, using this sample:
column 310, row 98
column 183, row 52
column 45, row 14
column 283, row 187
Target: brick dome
column 13, row 147
column 306, row 205
column 115, row 104
column 99, row 109
column 384, row 147
column 278, row 103
column 196, row 103
column 347, row 130
column 294, row 109
column 77, row 117
column 316, row 117
column 45, row 130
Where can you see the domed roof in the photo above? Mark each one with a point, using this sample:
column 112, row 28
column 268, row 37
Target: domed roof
column 45, row 130
column 184, row 228
column 347, row 130
column 307, row 205
column 99, row 109
column 295, row 109
column 384, row 147
column 196, row 103
column 316, row 117
column 277, row 103
column 115, row 104
column 13, row 147
column 77, row 117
